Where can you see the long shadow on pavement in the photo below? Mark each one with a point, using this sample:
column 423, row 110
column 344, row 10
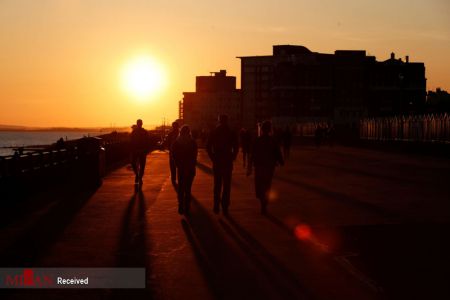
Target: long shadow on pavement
column 280, row 224
column 284, row 281
column 409, row 260
column 133, row 244
column 204, row 168
column 362, row 172
column 227, row 271
column 345, row 199
column 34, row 242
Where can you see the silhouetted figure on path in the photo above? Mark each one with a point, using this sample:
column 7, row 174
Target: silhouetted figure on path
column 245, row 138
column 287, row 142
column 170, row 139
column 222, row 147
column 184, row 153
column 265, row 155
column 140, row 147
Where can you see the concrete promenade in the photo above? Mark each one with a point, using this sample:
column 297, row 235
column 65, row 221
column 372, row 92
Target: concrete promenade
column 343, row 223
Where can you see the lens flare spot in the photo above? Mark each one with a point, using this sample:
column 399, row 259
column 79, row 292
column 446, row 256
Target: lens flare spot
column 303, row 232
column 273, row 196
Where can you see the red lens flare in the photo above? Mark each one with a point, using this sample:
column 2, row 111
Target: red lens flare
column 303, row 232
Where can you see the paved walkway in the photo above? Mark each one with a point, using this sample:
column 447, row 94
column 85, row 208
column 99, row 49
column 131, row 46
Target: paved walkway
column 302, row 250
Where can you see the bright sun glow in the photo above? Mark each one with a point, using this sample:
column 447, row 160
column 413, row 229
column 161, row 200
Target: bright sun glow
column 143, row 78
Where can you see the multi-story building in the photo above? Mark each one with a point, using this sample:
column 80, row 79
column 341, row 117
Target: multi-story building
column 214, row 95
column 438, row 102
column 295, row 84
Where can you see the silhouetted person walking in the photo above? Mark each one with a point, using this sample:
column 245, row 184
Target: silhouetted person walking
column 245, row 140
column 140, row 147
column 265, row 155
column 222, row 147
column 170, row 139
column 184, row 153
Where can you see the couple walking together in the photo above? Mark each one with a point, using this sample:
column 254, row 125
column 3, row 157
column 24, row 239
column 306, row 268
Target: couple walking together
column 222, row 148
column 183, row 159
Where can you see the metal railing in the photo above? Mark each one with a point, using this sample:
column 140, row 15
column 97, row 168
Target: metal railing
column 73, row 153
column 308, row 129
column 422, row 128
column 15, row 165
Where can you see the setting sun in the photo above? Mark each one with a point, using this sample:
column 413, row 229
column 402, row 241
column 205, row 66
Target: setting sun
column 143, row 78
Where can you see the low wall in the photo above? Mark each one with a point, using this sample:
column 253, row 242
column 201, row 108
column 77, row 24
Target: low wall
column 81, row 162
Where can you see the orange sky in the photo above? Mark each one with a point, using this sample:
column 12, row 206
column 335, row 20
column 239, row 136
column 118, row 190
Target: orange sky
column 61, row 61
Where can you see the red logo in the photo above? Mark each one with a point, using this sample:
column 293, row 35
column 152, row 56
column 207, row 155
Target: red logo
column 28, row 279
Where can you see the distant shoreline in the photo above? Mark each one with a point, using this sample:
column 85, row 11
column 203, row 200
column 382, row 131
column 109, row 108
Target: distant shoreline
column 53, row 129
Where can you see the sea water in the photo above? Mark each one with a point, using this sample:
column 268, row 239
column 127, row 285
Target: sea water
column 35, row 138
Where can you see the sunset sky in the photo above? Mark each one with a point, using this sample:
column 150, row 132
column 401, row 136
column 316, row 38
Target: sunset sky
column 62, row 61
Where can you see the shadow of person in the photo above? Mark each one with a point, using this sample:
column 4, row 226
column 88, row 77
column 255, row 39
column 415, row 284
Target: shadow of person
column 334, row 196
column 34, row 242
column 41, row 234
column 228, row 272
column 279, row 223
column 284, row 281
column 205, row 168
column 202, row 260
column 132, row 247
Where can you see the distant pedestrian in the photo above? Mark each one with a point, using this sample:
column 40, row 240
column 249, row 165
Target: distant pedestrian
column 287, row 142
column 184, row 153
column 222, row 147
column 60, row 144
column 170, row 139
column 245, row 139
column 265, row 155
column 140, row 146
